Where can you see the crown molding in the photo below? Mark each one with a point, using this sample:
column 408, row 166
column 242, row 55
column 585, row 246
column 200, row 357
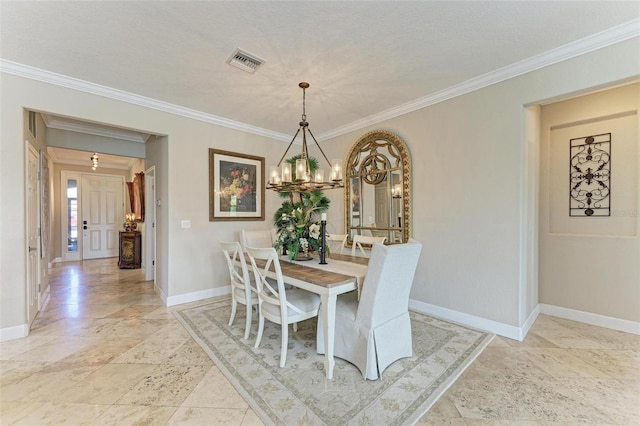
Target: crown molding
column 49, row 77
column 588, row 44
column 60, row 123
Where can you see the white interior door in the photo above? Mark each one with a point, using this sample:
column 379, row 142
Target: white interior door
column 102, row 215
column 33, row 235
column 150, row 225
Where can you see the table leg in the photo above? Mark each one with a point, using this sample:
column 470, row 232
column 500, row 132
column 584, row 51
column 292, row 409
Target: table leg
column 328, row 312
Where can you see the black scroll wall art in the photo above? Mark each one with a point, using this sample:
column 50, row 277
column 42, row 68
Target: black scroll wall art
column 590, row 176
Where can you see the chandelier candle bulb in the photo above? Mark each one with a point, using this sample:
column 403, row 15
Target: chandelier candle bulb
column 336, row 170
column 273, row 174
column 286, row 172
column 319, row 176
column 324, row 217
column 301, row 169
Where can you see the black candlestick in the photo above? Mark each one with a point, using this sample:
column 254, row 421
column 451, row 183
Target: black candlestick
column 323, row 245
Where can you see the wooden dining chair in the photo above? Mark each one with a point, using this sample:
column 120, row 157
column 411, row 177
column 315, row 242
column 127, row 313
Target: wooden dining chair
column 359, row 240
column 275, row 303
column 375, row 331
column 258, row 238
column 337, row 243
column 243, row 290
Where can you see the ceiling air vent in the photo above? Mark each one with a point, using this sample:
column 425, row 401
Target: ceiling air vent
column 245, row 61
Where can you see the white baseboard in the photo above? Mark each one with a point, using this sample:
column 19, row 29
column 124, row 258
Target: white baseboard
column 529, row 322
column 590, row 318
column 160, row 293
column 195, row 296
column 56, row 260
column 510, row 331
column 46, row 298
column 16, row 332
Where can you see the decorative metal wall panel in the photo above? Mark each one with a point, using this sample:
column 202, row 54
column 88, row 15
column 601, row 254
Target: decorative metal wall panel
column 590, row 176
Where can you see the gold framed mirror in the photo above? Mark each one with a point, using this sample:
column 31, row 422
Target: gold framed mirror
column 378, row 188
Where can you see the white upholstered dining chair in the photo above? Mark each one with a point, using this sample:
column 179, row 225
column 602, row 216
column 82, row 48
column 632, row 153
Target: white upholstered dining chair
column 277, row 304
column 359, row 240
column 243, row 290
column 376, row 331
column 260, row 238
column 337, row 243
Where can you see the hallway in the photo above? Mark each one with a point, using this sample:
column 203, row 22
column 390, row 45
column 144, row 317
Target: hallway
column 105, row 351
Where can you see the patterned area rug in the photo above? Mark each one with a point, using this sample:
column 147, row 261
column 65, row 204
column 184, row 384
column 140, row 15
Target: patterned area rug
column 299, row 393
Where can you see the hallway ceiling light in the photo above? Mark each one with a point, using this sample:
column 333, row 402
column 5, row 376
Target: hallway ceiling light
column 94, row 161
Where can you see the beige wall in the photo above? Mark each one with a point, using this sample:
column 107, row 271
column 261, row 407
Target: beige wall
column 189, row 257
column 469, row 206
column 591, row 264
column 474, row 181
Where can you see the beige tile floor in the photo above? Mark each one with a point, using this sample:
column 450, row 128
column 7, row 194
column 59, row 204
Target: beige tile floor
column 105, row 351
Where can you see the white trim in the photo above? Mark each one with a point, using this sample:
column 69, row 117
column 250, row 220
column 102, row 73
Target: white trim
column 160, row 293
column 529, row 322
column 591, row 318
column 150, row 229
column 491, row 326
column 56, row 79
column 197, row 295
column 11, row 333
column 588, row 44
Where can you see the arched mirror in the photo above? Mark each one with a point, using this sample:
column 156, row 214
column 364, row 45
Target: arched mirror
column 378, row 188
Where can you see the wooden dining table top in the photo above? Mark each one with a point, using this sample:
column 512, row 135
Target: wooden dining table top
column 318, row 274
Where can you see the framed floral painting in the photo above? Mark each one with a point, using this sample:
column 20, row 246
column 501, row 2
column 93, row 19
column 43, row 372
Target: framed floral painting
column 236, row 186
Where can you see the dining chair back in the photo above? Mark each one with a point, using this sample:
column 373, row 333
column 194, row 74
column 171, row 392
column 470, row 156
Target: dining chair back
column 337, row 243
column 375, row 331
column 259, row 238
column 359, row 240
column 275, row 302
column 243, row 290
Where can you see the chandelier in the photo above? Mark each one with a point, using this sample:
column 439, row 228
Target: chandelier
column 94, row 161
column 303, row 177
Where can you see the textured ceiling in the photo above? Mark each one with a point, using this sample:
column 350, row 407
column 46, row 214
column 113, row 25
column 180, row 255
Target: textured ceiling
column 361, row 58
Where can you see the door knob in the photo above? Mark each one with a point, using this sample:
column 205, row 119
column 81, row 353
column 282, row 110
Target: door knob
column 32, row 249
column 84, row 227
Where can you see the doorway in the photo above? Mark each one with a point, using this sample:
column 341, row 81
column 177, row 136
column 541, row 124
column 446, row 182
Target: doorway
column 589, row 263
column 33, row 234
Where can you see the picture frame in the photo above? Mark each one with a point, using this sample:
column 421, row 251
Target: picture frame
column 236, row 186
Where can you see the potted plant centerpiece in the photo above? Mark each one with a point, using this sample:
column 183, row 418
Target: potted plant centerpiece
column 298, row 220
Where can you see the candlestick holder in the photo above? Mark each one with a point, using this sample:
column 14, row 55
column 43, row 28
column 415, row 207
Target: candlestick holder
column 323, row 243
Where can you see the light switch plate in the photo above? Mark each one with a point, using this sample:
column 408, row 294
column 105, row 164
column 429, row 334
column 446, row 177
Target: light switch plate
column 186, row 224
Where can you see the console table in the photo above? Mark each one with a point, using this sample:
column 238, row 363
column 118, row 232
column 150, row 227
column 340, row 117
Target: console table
column 130, row 249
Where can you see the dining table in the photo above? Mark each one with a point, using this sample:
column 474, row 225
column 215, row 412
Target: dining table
column 341, row 274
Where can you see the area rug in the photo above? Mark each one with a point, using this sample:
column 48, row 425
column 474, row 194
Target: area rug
column 299, row 393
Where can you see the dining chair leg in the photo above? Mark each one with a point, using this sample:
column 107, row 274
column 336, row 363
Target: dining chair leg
column 260, row 327
column 247, row 325
column 234, row 305
column 285, row 343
